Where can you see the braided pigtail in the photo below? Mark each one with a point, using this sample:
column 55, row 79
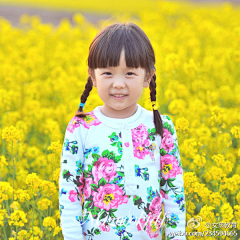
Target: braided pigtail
column 87, row 90
column 157, row 118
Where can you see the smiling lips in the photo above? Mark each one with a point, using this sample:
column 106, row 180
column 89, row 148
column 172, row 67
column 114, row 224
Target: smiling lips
column 118, row 96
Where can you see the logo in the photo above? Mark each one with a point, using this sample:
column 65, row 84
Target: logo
column 194, row 223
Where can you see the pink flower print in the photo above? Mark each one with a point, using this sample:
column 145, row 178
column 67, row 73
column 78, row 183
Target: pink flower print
column 156, row 205
column 154, row 225
column 141, row 225
column 170, row 167
column 73, row 124
column 80, row 188
column 139, row 149
column 87, row 121
column 90, row 120
column 104, row 227
column 140, row 141
column 104, row 168
column 109, row 196
column 87, row 190
column 163, row 194
column 167, row 141
column 73, row 196
column 139, row 133
column 126, row 144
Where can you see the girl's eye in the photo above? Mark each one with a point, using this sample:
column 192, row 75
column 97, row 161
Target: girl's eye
column 132, row 73
column 110, row 73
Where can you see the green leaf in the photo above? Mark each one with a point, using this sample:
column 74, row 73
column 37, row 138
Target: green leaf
column 102, row 182
column 95, row 157
column 112, row 215
column 90, row 168
column 103, row 215
column 153, row 130
column 94, row 187
column 120, row 173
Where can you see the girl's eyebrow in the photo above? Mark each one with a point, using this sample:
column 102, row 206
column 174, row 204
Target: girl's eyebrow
column 113, row 67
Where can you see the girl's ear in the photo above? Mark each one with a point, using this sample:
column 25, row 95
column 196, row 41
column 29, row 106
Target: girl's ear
column 148, row 78
column 92, row 75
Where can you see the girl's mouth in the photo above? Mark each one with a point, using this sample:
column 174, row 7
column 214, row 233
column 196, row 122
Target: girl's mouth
column 119, row 97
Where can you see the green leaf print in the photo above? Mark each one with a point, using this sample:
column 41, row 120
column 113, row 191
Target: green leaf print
column 102, row 182
column 163, row 152
column 95, row 157
column 103, row 215
column 163, row 182
column 170, row 184
column 169, row 127
column 151, row 133
column 94, row 187
column 114, row 144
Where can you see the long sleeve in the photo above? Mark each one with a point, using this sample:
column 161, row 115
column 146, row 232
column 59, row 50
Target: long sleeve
column 71, row 183
column 172, row 186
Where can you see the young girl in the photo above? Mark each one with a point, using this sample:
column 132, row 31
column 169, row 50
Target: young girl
column 121, row 158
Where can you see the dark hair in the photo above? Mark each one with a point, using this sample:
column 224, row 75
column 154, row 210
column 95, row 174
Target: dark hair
column 105, row 50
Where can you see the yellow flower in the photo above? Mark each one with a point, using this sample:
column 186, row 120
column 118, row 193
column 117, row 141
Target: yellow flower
column 215, row 198
column 217, row 115
column 32, row 180
column 11, row 134
column 235, row 131
column 56, row 175
column 5, row 190
column 36, row 233
column 44, row 203
column 177, row 106
column 189, row 147
column 191, row 207
column 231, row 183
column 15, row 205
column 3, row 161
column 221, row 162
column 48, row 188
column 238, row 198
column 56, row 147
column 199, row 160
column 217, row 173
column 57, row 230
column 49, row 222
column 227, row 212
column 3, row 214
column 22, row 235
column 182, row 124
column 21, row 194
column 207, row 214
column 237, row 211
column 18, row 218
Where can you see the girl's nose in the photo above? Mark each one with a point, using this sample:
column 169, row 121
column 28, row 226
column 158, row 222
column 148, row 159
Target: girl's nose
column 118, row 82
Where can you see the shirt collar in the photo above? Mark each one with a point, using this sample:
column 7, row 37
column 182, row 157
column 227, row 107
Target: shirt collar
column 121, row 123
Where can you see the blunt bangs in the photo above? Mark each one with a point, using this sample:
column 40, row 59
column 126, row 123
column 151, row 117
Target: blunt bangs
column 106, row 48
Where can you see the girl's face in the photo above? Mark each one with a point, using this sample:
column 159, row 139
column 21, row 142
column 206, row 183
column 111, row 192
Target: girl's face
column 123, row 81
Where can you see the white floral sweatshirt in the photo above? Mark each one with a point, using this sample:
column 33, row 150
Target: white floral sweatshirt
column 118, row 177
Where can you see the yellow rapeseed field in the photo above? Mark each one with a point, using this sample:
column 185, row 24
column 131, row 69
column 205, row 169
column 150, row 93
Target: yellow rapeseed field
column 43, row 71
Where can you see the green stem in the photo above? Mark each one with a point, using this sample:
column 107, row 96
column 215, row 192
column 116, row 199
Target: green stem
column 32, row 213
column 4, row 229
column 16, row 233
column 7, row 207
column 216, row 137
column 13, row 169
